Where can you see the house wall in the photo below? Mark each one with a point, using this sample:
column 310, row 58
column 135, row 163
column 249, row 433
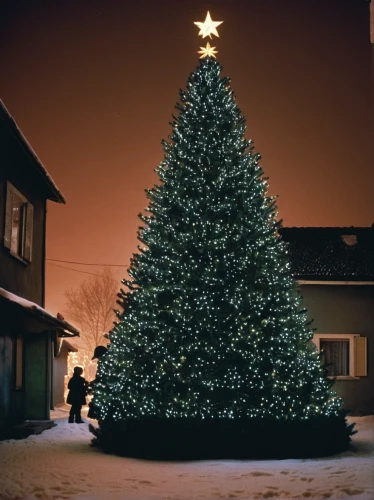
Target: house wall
column 33, row 401
column 24, row 279
column 346, row 309
column 60, row 369
column 27, row 280
column 37, row 376
column 12, row 401
column 6, row 377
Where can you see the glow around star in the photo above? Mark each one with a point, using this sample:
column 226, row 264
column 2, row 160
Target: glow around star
column 207, row 51
column 208, row 27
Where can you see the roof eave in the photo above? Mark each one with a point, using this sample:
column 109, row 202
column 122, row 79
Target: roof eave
column 55, row 193
column 21, row 314
column 340, row 282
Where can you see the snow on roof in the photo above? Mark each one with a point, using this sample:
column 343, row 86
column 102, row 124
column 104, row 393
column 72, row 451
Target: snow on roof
column 69, row 346
column 39, row 311
column 56, row 194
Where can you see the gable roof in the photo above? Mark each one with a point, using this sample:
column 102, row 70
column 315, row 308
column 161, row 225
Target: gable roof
column 54, row 194
column 330, row 253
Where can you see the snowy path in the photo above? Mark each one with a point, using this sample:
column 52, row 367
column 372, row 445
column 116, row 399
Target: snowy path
column 60, row 464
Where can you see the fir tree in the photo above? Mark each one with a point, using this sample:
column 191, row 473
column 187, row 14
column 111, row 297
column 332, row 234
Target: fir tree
column 213, row 328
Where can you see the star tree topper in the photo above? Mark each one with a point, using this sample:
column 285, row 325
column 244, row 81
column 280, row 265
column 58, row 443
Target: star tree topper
column 208, row 27
column 207, row 51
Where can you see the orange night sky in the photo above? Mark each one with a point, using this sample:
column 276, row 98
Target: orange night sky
column 92, row 85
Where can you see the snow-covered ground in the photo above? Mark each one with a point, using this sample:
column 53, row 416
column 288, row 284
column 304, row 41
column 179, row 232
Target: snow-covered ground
column 61, row 464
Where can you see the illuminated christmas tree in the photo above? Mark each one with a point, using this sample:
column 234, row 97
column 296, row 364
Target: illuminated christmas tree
column 212, row 353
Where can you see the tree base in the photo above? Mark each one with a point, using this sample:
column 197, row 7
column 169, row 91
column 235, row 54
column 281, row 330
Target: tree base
column 193, row 439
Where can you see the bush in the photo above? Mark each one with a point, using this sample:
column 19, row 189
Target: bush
column 194, row 439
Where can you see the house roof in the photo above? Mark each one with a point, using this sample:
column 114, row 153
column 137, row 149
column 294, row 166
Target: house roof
column 22, row 315
column 69, row 346
column 54, row 193
column 330, row 253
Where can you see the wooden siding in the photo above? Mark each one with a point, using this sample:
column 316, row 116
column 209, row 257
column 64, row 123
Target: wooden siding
column 37, row 376
column 24, row 279
column 6, row 377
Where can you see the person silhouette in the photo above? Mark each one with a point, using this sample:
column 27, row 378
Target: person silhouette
column 77, row 395
column 98, row 352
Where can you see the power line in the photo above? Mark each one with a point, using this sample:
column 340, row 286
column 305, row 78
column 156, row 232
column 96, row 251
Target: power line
column 70, row 269
column 85, row 263
column 77, row 271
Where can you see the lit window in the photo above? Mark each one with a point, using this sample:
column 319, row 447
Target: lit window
column 343, row 354
column 18, row 218
column 18, row 224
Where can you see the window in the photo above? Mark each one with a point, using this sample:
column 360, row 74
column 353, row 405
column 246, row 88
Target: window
column 18, row 216
column 19, row 362
column 335, row 355
column 18, row 224
column 344, row 354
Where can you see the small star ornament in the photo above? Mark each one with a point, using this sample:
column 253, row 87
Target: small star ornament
column 207, row 51
column 208, row 27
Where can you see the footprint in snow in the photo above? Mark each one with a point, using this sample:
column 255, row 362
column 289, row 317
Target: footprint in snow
column 259, row 473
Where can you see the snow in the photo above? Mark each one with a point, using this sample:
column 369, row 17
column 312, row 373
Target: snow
column 61, row 464
column 31, row 306
column 26, row 304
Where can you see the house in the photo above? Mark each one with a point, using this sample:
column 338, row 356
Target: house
column 334, row 267
column 28, row 333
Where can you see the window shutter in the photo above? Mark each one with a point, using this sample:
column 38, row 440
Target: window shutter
column 27, row 252
column 360, row 369
column 8, row 216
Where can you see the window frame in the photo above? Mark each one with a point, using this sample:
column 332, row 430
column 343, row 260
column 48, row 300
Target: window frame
column 24, row 252
column 17, row 196
column 317, row 337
